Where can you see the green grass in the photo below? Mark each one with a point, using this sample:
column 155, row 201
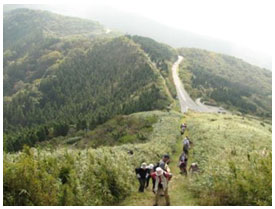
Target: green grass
column 233, row 153
column 221, row 144
column 102, row 176
column 119, row 130
column 179, row 195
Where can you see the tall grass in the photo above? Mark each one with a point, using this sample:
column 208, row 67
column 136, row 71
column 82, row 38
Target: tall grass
column 235, row 158
column 102, row 176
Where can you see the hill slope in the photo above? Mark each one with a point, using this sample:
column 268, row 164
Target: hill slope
column 34, row 40
column 88, row 176
column 235, row 160
column 111, row 78
column 22, row 25
column 134, row 24
column 233, row 153
column 61, row 81
column 61, row 88
column 228, row 81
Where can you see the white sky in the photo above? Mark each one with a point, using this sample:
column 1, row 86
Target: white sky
column 244, row 22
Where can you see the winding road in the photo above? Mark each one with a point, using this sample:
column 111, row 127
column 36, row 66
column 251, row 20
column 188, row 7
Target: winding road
column 185, row 100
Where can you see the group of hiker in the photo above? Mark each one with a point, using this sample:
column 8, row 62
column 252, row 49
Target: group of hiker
column 183, row 159
column 160, row 175
column 160, row 172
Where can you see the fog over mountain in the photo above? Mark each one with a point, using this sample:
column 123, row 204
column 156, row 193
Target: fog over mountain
column 133, row 24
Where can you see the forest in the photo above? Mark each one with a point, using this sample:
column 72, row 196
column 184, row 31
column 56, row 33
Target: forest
column 58, row 80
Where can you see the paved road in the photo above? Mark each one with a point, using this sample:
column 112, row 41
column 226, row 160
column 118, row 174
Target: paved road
column 185, row 100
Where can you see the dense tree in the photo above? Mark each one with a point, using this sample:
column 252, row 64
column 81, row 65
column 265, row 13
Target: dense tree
column 60, row 80
column 227, row 81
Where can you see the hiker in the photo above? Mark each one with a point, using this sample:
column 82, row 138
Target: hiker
column 150, row 171
column 162, row 178
column 142, row 173
column 183, row 163
column 163, row 163
column 194, row 168
column 186, row 144
column 183, row 127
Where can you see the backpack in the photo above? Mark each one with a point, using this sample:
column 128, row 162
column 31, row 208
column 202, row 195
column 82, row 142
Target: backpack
column 186, row 142
column 182, row 158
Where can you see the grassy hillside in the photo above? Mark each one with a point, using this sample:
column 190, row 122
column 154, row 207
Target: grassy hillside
column 73, row 96
column 102, row 176
column 235, row 157
column 227, row 81
column 233, row 153
column 235, row 161
column 122, row 129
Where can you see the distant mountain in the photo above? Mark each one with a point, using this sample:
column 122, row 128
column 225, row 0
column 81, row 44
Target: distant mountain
column 24, row 24
column 137, row 25
column 60, row 80
column 228, row 81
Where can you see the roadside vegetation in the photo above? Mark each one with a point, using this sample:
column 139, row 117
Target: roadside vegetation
column 227, row 81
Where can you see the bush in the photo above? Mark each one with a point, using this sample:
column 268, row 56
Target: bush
column 248, row 182
column 235, row 159
column 102, row 176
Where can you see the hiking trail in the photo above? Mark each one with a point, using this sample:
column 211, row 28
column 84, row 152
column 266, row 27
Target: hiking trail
column 179, row 195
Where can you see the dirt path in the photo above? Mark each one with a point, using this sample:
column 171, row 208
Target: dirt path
column 178, row 192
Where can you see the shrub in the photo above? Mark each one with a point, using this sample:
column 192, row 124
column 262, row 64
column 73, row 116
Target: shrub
column 235, row 159
column 102, row 176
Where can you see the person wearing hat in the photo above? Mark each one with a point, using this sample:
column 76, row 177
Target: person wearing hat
column 161, row 184
column 194, row 168
column 142, row 174
column 150, row 171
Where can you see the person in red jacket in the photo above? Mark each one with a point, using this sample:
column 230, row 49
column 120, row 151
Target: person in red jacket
column 161, row 184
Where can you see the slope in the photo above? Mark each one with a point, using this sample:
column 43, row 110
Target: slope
column 223, row 80
column 54, row 176
column 23, row 25
column 235, row 161
column 34, row 40
column 135, row 24
column 112, row 77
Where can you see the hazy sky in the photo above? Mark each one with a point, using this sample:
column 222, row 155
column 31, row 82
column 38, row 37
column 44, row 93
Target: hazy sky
column 244, row 22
